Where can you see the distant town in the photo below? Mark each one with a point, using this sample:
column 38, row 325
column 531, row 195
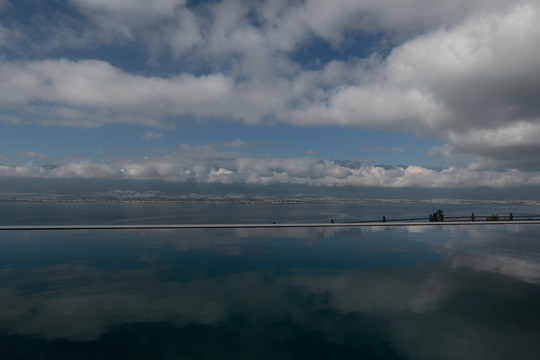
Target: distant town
column 132, row 196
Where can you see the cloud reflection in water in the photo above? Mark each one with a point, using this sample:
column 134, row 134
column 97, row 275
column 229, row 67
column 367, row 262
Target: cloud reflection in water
column 389, row 293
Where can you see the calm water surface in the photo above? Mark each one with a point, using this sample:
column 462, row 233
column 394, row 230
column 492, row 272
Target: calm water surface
column 453, row 292
column 58, row 213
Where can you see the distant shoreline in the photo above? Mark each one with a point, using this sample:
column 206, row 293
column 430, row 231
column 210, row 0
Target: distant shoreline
column 247, row 200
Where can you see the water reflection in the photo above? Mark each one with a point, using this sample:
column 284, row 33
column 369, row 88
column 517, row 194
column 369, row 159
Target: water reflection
column 284, row 293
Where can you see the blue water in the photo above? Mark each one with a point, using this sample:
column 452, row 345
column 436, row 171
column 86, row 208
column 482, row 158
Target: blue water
column 66, row 213
column 452, row 292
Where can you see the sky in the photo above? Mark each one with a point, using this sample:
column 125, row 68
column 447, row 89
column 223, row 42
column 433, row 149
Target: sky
column 391, row 93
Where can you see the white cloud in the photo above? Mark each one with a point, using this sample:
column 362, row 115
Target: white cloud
column 463, row 85
column 133, row 7
column 204, row 164
column 182, row 34
column 471, row 75
column 468, row 76
column 90, row 92
column 235, row 144
column 511, row 146
column 256, row 29
column 152, row 135
column 331, row 19
column 153, row 23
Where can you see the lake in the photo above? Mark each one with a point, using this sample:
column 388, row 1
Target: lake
column 410, row 292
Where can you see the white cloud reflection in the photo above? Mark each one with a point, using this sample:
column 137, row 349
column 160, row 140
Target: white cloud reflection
column 428, row 298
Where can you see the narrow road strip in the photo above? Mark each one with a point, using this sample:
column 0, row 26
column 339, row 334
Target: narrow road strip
column 249, row 226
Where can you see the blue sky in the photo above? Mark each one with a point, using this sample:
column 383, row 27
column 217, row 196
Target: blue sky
column 443, row 93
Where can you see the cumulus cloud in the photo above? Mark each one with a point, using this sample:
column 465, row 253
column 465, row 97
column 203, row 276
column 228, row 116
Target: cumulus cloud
column 235, row 144
column 205, row 164
column 242, row 25
column 152, row 135
column 91, row 93
column 331, row 20
column 472, row 85
column 162, row 27
column 464, row 72
column 138, row 7
column 446, row 81
column 127, row 19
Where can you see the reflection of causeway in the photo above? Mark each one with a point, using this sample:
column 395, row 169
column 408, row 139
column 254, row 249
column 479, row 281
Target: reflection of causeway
column 466, row 219
column 397, row 222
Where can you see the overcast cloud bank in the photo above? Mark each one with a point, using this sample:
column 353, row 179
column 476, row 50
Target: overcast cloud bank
column 206, row 164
